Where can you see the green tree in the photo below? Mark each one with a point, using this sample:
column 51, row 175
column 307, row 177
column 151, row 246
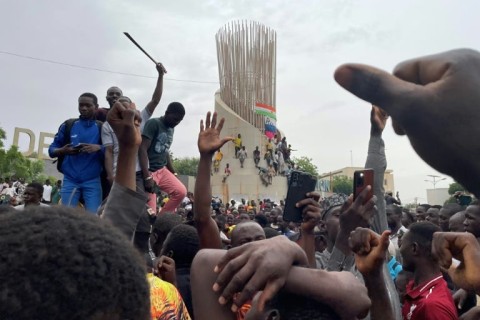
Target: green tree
column 305, row 164
column 342, row 184
column 454, row 187
column 14, row 163
column 3, row 136
column 186, row 166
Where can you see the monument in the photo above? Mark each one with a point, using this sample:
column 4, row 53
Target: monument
column 247, row 100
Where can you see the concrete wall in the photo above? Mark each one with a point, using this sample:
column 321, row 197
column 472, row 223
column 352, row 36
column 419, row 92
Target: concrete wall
column 243, row 183
column 437, row 196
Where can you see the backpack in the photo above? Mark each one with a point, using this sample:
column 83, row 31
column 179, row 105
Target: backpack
column 68, row 128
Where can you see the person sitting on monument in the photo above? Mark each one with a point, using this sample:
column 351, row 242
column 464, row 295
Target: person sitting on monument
column 238, row 144
column 217, row 160
column 256, row 156
column 242, row 155
column 227, row 172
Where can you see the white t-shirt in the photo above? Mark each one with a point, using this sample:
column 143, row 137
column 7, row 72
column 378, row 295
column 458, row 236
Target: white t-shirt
column 47, row 192
column 110, row 139
column 22, row 206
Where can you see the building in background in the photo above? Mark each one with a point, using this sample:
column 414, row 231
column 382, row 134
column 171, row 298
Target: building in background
column 325, row 180
column 437, row 196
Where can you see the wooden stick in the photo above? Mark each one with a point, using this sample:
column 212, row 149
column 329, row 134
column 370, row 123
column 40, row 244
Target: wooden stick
column 139, row 47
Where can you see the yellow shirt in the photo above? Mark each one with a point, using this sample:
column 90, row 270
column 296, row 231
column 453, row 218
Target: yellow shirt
column 238, row 142
column 165, row 300
column 219, row 156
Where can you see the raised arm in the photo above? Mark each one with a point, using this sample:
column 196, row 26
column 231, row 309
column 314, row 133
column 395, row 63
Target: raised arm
column 157, row 93
column 377, row 161
column 124, row 205
column 209, row 141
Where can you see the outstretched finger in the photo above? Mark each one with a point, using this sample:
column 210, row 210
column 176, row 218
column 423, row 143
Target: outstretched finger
column 214, row 120
column 271, row 289
column 362, row 197
column 202, row 128
column 207, row 121
column 220, row 125
column 239, row 283
column 378, row 87
column 229, row 272
column 225, row 140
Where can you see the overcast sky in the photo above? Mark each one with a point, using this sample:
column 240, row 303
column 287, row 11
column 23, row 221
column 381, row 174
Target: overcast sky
column 314, row 37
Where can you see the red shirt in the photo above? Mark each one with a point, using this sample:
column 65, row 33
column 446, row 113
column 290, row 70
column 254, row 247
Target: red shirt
column 430, row 300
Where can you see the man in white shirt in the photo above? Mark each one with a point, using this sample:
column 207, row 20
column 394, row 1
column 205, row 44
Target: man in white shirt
column 47, row 192
column 109, row 139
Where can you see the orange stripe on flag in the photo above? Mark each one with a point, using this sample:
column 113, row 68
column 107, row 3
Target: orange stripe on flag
column 266, row 106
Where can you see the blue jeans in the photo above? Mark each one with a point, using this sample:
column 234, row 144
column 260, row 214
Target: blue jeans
column 90, row 190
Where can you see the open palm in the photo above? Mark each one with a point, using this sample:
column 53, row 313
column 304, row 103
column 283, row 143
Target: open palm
column 209, row 139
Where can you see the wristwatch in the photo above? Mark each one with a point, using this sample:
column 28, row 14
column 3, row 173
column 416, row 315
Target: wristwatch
column 148, row 178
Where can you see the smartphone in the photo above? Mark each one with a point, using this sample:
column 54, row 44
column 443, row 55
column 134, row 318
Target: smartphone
column 78, row 146
column 300, row 184
column 362, row 179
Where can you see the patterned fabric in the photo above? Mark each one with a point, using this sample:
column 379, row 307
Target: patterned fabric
column 165, row 301
column 334, row 200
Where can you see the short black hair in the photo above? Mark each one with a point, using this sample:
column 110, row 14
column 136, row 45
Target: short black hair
column 261, row 219
column 452, row 208
column 80, row 266
column 184, row 244
column 270, row 232
column 165, row 223
column 176, row 108
column 90, row 95
column 425, row 205
column 295, row 307
column 396, row 209
column 422, row 233
column 37, row 187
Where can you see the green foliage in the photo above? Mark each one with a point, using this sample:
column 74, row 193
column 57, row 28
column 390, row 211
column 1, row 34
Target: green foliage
column 3, row 136
column 342, row 184
column 186, row 166
column 305, row 164
column 454, row 187
column 14, row 163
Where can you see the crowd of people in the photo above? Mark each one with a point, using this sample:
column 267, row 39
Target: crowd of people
column 199, row 258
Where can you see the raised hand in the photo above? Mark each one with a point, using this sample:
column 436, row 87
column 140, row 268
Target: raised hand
column 370, row 250
column 378, row 120
column 463, row 247
column 255, row 266
column 209, row 137
column 125, row 122
column 312, row 212
column 161, row 69
column 427, row 98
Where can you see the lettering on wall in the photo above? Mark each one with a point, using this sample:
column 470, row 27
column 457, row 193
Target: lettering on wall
column 42, row 146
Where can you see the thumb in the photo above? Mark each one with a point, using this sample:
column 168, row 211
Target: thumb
column 377, row 87
column 385, row 240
